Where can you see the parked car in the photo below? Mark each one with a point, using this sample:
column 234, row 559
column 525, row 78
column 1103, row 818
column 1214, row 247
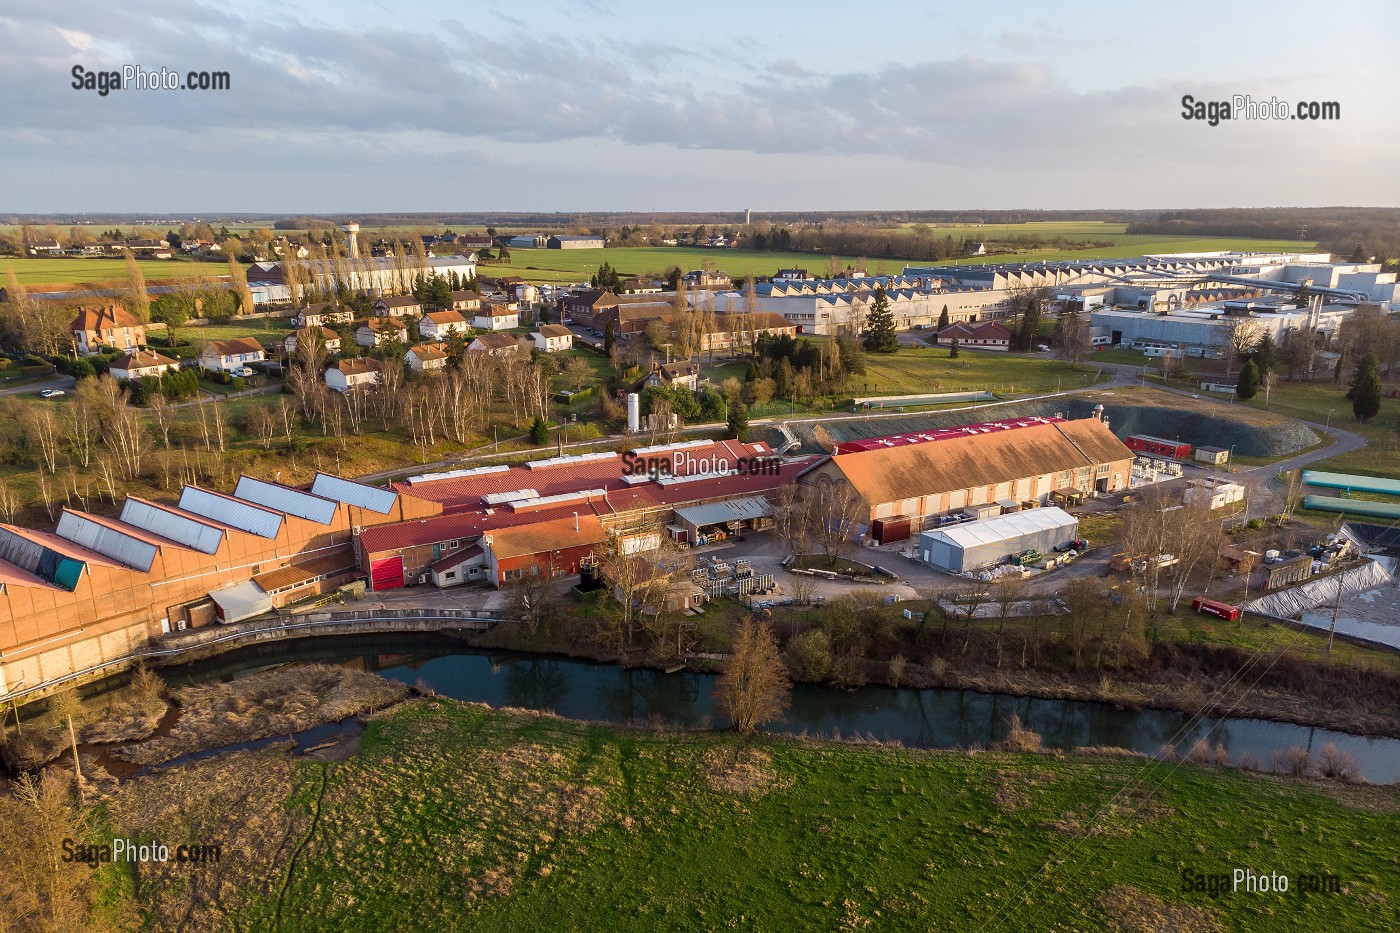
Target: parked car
column 244, row 371
column 51, row 393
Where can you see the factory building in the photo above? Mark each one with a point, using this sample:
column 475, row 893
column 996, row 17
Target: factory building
column 974, row 545
column 1026, row 464
column 96, row 588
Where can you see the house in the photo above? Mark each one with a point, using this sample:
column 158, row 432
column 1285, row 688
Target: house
column 362, row 373
column 669, row 375
column 465, row 300
column 640, row 287
column 106, row 326
column 474, row 241
column 552, row 338
column 330, row 339
column 427, row 357
column 44, row 247
column 738, row 329
column 138, row 364
column 576, row 242
column 145, row 244
column 704, row 278
column 585, row 307
column 988, row 335
column 377, row 331
column 397, row 306
column 231, row 356
column 439, row 325
column 494, row 344
column 322, row 315
column 791, row 275
column 496, row 317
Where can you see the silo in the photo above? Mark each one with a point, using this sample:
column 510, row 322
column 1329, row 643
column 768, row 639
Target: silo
column 634, row 412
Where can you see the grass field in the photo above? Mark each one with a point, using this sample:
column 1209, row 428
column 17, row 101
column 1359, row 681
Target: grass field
column 456, row 817
column 1326, row 403
column 64, row 271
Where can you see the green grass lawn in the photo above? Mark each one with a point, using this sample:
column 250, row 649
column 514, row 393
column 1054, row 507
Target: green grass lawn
column 265, row 330
column 912, row 371
column 457, row 817
column 63, row 271
column 1326, row 403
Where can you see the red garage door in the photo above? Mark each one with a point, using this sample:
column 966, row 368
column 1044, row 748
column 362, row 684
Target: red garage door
column 386, row 574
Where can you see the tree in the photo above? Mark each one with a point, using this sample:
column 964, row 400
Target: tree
column 609, row 337
column 66, row 706
column 943, row 321
column 754, row 687
column 607, row 278
column 1265, row 355
column 140, row 298
column 1366, row 388
column 1248, row 384
column 539, row 431
column 240, row 285
column 953, row 350
column 1236, row 335
column 738, row 421
column 1073, row 337
column 880, row 334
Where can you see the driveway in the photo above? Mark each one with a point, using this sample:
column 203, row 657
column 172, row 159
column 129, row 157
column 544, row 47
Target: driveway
column 65, row 383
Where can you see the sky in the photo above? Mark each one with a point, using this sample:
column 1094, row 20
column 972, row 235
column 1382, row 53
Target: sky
column 349, row 106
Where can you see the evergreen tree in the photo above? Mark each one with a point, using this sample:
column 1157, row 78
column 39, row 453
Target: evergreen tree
column 738, row 421
column 1366, row 388
column 1265, row 355
column 609, row 338
column 539, row 432
column 1029, row 332
column 1248, row 384
column 879, row 326
column 943, row 321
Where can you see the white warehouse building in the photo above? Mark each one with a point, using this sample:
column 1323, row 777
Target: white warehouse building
column 974, row 545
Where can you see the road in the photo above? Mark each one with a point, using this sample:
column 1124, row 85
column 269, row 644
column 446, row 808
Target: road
column 65, row 383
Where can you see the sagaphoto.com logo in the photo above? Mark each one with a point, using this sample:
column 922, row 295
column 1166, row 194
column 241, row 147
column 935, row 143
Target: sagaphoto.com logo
column 134, row 77
column 1245, row 107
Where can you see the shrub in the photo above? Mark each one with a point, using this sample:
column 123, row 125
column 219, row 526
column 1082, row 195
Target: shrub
column 81, row 369
column 1254, row 524
column 6, row 363
column 42, row 369
column 1336, row 764
column 1294, row 761
column 1018, row 738
column 238, row 383
column 809, row 655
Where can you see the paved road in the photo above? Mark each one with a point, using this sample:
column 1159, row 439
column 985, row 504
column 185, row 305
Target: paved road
column 65, row 383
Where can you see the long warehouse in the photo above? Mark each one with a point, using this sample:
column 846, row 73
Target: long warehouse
column 974, row 545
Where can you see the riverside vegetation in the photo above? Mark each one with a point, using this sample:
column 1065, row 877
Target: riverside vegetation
column 454, row 816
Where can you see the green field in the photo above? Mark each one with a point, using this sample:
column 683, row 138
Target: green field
column 456, row 817
column 64, row 271
column 1327, row 404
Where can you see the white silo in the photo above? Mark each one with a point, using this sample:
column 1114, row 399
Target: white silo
column 634, row 412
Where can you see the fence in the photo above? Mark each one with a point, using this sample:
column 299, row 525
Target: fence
column 167, row 649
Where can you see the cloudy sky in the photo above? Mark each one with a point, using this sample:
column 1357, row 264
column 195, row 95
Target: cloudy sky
column 573, row 106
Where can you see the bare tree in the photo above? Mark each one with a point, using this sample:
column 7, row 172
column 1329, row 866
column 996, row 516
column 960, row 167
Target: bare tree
column 42, row 430
column 66, row 706
column 136, row 283
column 1236, row 335
column 240, row 284
column 754, row 687
column 1008, row 590
column 833, row 517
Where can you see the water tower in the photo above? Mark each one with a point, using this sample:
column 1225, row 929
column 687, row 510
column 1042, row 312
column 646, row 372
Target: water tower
column 352, row 234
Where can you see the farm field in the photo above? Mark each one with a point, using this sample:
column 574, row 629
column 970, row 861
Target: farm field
column 63, row 271
column 457, row 817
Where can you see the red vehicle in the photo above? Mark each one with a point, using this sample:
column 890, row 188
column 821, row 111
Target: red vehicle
column 1157, row 446
column 1209, row 607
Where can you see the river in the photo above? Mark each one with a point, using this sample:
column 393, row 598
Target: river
column 938, row 718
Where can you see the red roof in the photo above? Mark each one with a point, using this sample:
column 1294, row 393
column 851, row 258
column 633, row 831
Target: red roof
column 938, row 434
column 466, row 516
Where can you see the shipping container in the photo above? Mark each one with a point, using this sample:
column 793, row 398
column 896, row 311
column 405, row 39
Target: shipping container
column 1210, row 607
column 1157, row 446
column 889, row 530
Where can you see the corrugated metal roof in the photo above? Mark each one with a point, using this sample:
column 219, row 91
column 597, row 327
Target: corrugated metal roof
column 285, row 499
column 160, row 520
column 129, row 549
column 241, row 600
column 719, row 513
column 352, row 493
column 236, row 513
column 991, row 530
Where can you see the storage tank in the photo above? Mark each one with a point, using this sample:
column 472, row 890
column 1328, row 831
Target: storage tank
column 634, row 412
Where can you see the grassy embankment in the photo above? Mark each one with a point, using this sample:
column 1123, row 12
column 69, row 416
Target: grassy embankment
column 456, row 817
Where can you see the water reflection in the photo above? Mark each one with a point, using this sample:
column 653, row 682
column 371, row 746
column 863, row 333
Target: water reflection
column 923, row 718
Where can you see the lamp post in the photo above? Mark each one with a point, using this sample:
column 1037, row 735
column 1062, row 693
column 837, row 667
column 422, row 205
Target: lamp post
column 1328, row 426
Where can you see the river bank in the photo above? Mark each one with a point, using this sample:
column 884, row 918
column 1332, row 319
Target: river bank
column 456, row 816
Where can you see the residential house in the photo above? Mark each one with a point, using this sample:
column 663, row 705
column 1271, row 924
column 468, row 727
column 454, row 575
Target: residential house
column 145, row 245
column 738, row 330
column 362, row 373
column 377, row 331
column 231, row 355
column 439, row 325
column 585, row 306
column 398, row 306
column 496, row 317
column 44, row 247
column 988, row 335
column 640, row 287
column 323, row 315
column 494, row 344
column 427, row 357
column 682, row 373
column 138, row 364
column 703, row 278
column 330, row 339
column 106, row 326
column 552, row 338
column 576, row 242
column 465, row 300
column 791, row 275
column 474, row 241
